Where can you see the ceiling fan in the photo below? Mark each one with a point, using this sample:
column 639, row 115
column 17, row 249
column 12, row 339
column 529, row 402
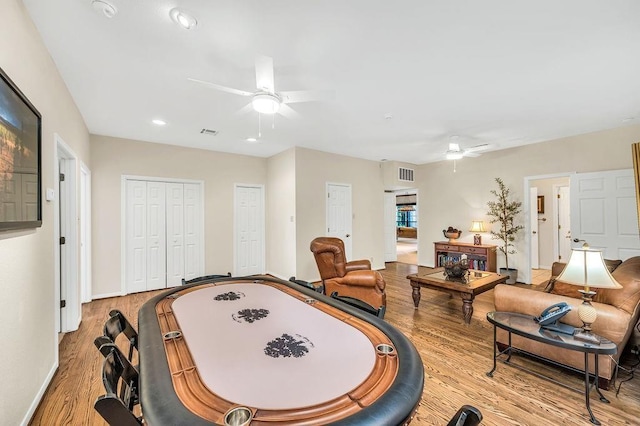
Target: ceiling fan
column 456, row 153
column 265, row 99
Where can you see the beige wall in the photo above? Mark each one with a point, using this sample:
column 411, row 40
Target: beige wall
column 112, row 158
column 454, row 199
column 313, row 170
column 27, row 257
column 281, row 214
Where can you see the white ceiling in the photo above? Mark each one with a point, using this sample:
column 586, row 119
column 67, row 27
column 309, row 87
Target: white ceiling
column 494, row 71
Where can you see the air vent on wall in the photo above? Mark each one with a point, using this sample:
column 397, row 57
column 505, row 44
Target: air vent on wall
column 405, row 174
column 209, row 132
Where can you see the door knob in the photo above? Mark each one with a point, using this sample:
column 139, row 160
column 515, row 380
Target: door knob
column 534, row 232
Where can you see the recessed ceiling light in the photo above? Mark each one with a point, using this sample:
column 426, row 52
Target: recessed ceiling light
column 158, row 122
column 104, row 8
column 252, row 140
column 182, row 18
column 388, row 116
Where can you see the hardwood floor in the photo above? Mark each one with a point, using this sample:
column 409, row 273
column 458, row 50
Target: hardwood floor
column 455, row 356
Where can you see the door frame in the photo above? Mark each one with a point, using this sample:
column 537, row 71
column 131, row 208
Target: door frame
column 123, row 222
column 69, row 318
column 263, row 252
column 524, row 273
column 85, row 234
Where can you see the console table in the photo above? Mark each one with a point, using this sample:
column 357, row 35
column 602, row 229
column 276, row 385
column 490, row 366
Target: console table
column 525, row 326
column 484, row 255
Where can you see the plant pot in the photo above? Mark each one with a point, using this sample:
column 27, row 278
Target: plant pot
column 512, row 273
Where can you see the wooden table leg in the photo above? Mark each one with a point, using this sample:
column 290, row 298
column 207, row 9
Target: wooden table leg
column 467, row 307
column 415, row 294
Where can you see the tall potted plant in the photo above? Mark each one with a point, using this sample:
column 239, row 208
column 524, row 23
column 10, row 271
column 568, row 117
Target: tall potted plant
column 504, row 211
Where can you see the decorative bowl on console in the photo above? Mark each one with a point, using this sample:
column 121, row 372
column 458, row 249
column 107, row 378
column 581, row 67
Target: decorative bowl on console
column 451, row 233
column 456, row 269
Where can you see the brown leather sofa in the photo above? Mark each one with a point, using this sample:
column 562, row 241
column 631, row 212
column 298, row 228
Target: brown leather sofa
column 351, row 279
column 618, row 314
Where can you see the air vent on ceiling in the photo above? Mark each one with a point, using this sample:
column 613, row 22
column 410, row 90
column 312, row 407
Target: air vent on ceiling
column 209, row 132
column 405, row 174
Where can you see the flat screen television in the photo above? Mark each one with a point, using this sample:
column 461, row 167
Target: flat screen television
column 20, row 151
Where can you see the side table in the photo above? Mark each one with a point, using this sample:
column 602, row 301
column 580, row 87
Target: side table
column 525, row 326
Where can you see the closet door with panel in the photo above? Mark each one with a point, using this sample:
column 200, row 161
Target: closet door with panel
column 163, row 234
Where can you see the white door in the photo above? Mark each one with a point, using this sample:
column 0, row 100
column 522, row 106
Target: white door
column 535, row 249
column 136, row 236
column 175, row 234
column 603, row 212
column 339, row 217
column 249, row 230
column 193, row 227
column 390, row 246
column 163, row 234
column 156, row 236
column 563, row 235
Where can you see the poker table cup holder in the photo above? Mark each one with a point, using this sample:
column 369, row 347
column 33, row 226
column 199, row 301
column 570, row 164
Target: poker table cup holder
column 238, row 416
column 385, row 349
column 172, row 335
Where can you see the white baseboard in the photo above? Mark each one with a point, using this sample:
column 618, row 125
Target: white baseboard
column 40, row 394
column 106, row 295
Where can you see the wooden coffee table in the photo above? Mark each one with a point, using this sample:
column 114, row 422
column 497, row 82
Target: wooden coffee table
column 477, row 282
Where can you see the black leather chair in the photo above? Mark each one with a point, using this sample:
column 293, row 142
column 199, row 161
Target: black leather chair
column 467, row 415
column 118, row 377
column 204, row 279
column 119, row 324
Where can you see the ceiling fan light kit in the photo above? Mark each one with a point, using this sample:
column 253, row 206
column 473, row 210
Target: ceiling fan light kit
column 266, row 103
column 182, row 18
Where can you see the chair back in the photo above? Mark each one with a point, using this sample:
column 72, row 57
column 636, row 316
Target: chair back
column 119, row 379
column 106, row 346
column 330, row 258
column 119, row 324
column 204, row 279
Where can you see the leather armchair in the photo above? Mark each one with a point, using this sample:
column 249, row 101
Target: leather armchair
column 350, row 279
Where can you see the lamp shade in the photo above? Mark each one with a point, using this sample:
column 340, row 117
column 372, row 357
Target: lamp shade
column 586, row 268
column 477, row 226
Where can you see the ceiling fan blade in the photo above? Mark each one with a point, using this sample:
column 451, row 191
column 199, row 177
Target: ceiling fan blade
column 222, row 88
column 288, row 112
column 471, row 154
column 244, row 110
column 477, row 148
column 264, row 74
column 290, row 97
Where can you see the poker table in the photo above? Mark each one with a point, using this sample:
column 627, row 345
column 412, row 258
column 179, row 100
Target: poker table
column 259, row 350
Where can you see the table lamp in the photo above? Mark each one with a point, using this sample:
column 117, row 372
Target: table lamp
column 477, row 226
column 586, row 268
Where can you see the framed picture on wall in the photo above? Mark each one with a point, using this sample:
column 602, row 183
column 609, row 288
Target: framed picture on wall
column 20, row 163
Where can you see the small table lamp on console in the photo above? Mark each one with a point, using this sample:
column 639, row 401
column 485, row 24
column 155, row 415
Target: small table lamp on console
column 477, row 226
column 586, row 268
